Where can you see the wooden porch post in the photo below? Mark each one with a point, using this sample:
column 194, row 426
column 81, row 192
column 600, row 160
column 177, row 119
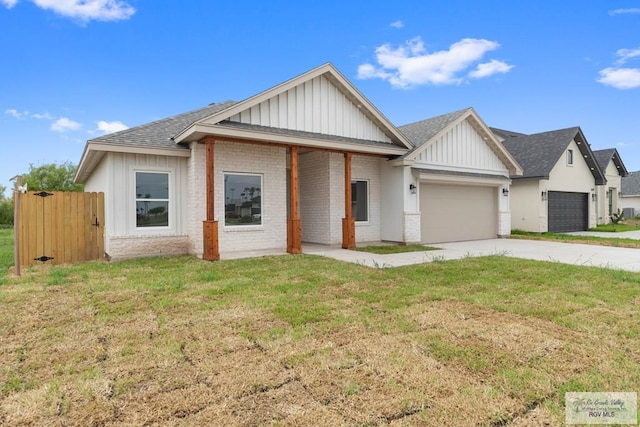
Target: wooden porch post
column 211, row 251
column 348, row 223
column 294, row 225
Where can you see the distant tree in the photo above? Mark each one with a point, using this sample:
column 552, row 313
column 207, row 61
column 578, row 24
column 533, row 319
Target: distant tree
column 52, row 177
column 6, row 208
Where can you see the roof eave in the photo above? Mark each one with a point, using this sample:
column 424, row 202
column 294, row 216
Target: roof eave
column 199, row 130
column 95, row 151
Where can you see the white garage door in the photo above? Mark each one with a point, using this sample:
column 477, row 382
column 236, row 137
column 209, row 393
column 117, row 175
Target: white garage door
column 453, row 213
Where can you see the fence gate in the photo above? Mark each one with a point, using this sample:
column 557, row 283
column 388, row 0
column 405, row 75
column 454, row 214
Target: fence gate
column 60, row 227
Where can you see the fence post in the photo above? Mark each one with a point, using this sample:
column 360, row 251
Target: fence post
column 16, row 223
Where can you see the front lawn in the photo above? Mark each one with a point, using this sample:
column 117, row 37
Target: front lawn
column 616, row 228
column 304, row 340
column 572, row 238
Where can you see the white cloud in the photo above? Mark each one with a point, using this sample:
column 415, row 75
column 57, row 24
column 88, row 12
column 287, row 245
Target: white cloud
column 490, row 68
column 397, row 24
column 64, row 124
column 620, row 78
column 84, row 10
column 8, row 3
column 627, row 54
column 624, row 11
column 622, row 144
column 16, row 114
column 411, row 65
column 110, row 127
column 44, row 116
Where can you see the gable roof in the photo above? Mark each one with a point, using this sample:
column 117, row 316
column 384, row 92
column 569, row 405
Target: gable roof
column 215, row 123
column 631, row 184
column 154, row 137
column 538, row 153
column 425, row 131
column 603, row 157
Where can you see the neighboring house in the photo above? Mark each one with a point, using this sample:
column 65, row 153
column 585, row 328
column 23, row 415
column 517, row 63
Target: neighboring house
column 557, row 192
column 608, row 195
column 264, row 173
column 631, row 193
column 460, row 174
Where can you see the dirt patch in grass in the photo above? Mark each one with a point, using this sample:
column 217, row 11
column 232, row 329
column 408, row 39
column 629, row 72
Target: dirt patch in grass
column 121, row 344
column 394, row 249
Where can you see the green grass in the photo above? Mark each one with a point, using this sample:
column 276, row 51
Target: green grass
column 300, row 340
column 394, row 249
column 615, row 228
column 571, row 238
column 6, row 252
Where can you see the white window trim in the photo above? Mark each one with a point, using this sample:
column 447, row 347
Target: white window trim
column 163, row 230
column 570, row 151
column 239, row 227
column 368, row 221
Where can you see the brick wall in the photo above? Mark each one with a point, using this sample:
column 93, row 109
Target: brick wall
column 270, row 162
column 123, row 247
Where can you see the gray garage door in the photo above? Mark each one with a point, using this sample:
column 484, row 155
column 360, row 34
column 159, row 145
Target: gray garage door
column 568, row 211
column 453, row 213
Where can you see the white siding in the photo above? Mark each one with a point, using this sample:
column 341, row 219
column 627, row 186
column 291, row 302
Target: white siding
column 528, row 210
column 314, row 106
column 461, row 148
column 115, row 176
column 614, row 183
column 575, row 178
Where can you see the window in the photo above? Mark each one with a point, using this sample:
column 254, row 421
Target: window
column 360, row 200
column 152, row 199
column 242, row 199
column 569, row 157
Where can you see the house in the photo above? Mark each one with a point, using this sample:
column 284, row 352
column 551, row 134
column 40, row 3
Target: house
column 608, row 195
column 630, row 199
column 309, row 160
column 460, row 174
column 557, row 192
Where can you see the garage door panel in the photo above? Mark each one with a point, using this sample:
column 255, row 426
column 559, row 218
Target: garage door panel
column 567, row 211
column 452, row 213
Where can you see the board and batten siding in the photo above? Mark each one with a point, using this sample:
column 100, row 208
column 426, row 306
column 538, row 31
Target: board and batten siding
column 314, row 106
column 115, row 176
column 461, row 148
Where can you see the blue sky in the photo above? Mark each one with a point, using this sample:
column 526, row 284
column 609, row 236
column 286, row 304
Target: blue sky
column 76, row 69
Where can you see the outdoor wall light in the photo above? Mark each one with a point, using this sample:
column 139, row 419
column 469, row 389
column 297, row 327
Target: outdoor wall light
column 413, row 189
column 505, row 191
column 543, row 195
column 594, row 197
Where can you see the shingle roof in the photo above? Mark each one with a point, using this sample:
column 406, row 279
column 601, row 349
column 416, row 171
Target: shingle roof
column 504, row 134
column 631, row 184
column 539, row 153
column 603, row 157
column 422, row 131
column 158, row 134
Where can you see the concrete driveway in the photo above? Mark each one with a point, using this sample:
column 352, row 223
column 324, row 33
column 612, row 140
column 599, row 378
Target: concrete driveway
column 568, row 253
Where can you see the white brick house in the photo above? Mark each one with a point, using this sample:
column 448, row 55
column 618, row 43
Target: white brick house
column 309, row 160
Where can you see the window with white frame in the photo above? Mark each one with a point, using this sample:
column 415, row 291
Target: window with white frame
column 152, row 199
column 242, row 199
column 360, row 200
column 570, row 157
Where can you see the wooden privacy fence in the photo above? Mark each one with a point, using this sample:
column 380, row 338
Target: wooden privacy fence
column 60, row 227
